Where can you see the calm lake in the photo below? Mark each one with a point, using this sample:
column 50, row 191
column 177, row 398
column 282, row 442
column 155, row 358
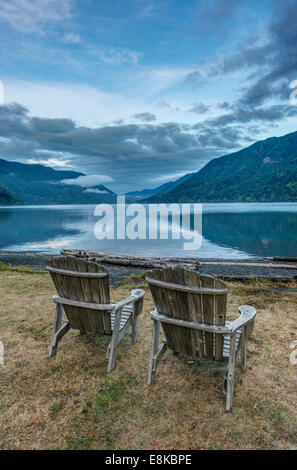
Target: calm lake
column 233, row 230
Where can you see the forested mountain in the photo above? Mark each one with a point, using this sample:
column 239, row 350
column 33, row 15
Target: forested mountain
column 163, row 189
column 264, row 172
column 39, row 184
column 6, row 198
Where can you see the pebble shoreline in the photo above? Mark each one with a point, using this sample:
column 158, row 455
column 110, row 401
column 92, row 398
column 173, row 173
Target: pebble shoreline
column 118, row 273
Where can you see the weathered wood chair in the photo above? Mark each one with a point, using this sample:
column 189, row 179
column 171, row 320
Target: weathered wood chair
column 192, row 311
column 83, row 289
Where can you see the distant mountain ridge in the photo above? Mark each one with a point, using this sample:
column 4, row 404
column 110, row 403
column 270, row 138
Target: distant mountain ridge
column 39, row 184
column 163, row 189
column 264, row 172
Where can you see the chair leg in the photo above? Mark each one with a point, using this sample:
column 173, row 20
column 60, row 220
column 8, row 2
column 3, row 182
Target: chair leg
column 137, row 308
column 134, row 333
column 56, row 326
column 154, row 349
column 243, row 348
column 134, row 318
column 112, row 348
column 229, row 375
column 58, row 331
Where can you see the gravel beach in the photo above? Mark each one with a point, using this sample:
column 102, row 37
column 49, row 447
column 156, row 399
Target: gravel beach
column 118, row 273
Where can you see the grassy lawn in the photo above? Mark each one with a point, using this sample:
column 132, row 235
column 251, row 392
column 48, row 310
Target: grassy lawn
column 70, row 402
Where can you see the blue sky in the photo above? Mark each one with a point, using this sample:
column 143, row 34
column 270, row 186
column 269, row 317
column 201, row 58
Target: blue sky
column 141, row 92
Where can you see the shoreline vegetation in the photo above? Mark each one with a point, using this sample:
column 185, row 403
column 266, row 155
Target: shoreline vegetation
column 70, row 402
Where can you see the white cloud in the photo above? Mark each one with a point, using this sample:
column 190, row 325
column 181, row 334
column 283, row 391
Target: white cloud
column 71, row 38
column 52, row 162
column 88, row 181
column 97, row 191
column 116, row 56
column 140, row 89
column 31, row 16
column 93, row 107
column 4, row 140
column 83, row 104
column 53, row 158
column 155, row 80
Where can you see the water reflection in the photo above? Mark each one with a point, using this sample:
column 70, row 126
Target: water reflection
column 229, row 231
column 258, row 234
column 33, row 225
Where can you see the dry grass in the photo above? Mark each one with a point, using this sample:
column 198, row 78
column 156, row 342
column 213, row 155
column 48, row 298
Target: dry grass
column 70, row 402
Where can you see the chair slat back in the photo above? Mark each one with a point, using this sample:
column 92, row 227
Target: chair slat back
column 186, row 295
column 84, row 281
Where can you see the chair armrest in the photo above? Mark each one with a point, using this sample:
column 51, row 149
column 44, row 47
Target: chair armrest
column 136, row 295
column 247, row 315
column 217, row 329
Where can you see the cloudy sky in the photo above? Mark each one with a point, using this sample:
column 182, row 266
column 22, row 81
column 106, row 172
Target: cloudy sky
column 141, row 92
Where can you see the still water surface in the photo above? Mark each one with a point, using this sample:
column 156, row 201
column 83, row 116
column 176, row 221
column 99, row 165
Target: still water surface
column 231, row 230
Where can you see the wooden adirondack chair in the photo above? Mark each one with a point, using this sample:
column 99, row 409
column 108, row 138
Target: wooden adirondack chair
column 83, row 289
column 192, row 311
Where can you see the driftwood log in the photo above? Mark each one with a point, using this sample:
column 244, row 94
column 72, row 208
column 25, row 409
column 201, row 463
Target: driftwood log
column 285, row 259
column 191, row 263
column 132, row 261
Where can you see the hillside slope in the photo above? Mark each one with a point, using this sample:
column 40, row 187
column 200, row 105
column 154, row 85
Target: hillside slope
column 6, row 198
column 39, row 184
column 163, row 189
column 264, row 172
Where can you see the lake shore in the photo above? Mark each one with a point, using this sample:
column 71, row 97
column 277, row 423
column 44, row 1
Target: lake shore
column 118, row 273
